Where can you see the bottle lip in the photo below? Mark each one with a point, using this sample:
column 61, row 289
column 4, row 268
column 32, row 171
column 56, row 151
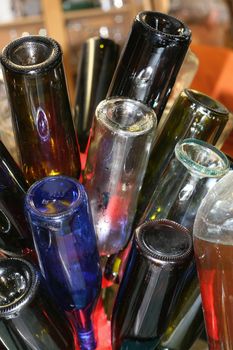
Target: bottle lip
column 31, row 275
column 182, row 36
column 53, row 58
column 198, row 169
column 154, row 255
column 108, row 110
column 38, row 185
column 207, row 102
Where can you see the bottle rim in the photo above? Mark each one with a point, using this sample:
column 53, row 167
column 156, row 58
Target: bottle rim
column 153, row 254
column 112, row 108
column 207, row 102
column 68, row 211
column 52, row 59
column 195, row 167
column 182, row 36
column 12, row 309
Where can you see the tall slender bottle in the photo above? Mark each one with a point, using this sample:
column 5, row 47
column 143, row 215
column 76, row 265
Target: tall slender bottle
column 98, row 61
column 29, row 319
column 213, row 246
column 42, row 121
column 194, row 115
column 16, row 237
column 151, row 59
column 192, row 172
column 151, row 284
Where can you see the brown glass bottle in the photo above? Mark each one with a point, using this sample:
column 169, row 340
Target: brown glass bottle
column 41, row 114
column 151, row 59
column 29, row 319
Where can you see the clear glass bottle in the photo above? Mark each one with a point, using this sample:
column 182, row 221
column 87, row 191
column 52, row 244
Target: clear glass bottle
column 151, row 59
column 122, row 135
column 194, row 115
column 194, row 169
column 213, row 246
column 41, row 115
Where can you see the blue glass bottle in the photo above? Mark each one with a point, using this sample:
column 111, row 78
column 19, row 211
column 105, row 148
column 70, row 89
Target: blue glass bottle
column 65, row 241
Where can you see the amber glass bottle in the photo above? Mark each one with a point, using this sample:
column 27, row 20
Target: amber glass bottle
column 41, row 114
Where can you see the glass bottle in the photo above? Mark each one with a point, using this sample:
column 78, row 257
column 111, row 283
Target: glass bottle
column 98, row 61
column 155, row 270
column 29, row 320
column 16, row 238
column 213, row 246
column 60, row 218
column 194, row 169
column 187, row 322
column 123, row 131
column 41, row 115
column 151, row 59
column 194, row 115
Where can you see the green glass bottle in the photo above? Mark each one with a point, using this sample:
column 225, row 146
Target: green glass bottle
column 194, row 115
column 41, row 115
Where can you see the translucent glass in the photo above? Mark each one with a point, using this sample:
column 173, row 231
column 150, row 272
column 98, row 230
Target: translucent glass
column 194, row 169
column 193, row 115
column 60, row 218
column 123, row 131
column 213, row 246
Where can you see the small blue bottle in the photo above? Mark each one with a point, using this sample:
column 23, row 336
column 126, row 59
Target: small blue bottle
column 58, row 211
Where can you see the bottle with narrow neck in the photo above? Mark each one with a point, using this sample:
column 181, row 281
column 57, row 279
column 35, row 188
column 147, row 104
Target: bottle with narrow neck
column 194, row 115
column 98, row 61
column 151, row 285
column 194, row 169
column 41, row 115
column 151, row 59
column 16, row 238
column 29, row 319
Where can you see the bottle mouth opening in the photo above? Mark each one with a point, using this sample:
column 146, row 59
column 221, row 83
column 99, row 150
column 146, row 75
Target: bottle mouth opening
column 18, row 283
column 54, row 196
column 31, row 53
column 164, row 24
column 206, row 101
column 201, row 158
column 126, row 116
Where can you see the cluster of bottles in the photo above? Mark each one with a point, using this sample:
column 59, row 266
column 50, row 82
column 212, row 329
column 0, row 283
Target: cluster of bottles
column 146, row 191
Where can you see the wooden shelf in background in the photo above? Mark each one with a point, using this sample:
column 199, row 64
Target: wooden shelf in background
column 22, row 21
column 94, row 12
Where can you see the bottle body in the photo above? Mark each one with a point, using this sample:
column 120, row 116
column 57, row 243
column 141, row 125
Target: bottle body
column 97, row 64
column 213, row 243
column 151, row 59
column 194, row 115
column 60, row 218
column 149, row 288
column 41, row 115
column 36, row 323
column 123, row 131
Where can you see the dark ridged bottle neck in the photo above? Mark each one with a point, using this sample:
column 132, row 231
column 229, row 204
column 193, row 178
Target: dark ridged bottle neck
column 164, row 242
column 19, row 282
column 31, row 55
column 209, row 105
column 167, row 27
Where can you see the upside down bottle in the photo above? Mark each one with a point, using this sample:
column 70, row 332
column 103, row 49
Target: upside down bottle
column 213, row 246
column 41, row 115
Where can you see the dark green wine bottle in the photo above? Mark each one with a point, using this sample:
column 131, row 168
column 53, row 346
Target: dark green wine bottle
column 194, row 115
column 41, row 115
column 98, row 61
